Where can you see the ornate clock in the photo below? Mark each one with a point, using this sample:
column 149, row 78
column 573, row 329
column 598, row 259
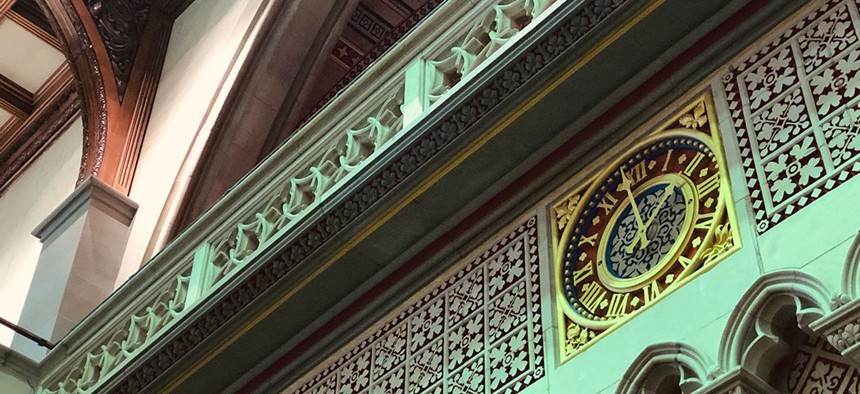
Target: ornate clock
column 651, row 219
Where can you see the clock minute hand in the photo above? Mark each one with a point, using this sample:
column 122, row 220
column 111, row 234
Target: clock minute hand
column 670, row 188
column 640, row 233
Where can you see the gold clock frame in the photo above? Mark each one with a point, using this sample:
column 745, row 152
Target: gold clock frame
column 697, row 118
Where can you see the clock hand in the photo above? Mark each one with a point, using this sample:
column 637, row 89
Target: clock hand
column 670, row 189
column 640, row 231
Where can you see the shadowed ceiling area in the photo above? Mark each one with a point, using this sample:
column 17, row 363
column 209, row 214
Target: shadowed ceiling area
column 372, row 28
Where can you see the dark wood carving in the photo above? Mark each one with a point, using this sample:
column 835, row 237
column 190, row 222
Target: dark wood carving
column 120, row 24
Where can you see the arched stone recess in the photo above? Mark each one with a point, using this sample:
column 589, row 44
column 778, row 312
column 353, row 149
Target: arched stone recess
column 754, row 336
column 851, row 272
column 666, row 368
column 842, row 327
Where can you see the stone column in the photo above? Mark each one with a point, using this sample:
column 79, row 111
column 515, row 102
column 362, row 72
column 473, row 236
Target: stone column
column 83, row 242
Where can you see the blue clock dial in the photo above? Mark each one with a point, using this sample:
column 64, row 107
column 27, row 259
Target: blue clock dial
column 663, row 207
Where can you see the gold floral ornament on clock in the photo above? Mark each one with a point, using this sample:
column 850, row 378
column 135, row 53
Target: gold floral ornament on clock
column 657, row 216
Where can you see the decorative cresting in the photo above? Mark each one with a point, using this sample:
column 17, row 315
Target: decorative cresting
column 655, row 218
column 752, row 338
column 795, row 109
column 283, row 192
column 120, row 24
column 492, row 28
column 666, row 364
column 477, row 332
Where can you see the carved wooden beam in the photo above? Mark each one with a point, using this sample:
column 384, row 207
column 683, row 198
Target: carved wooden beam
column 15, row 99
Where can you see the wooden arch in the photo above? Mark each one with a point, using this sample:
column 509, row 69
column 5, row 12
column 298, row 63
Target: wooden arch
column 116, row 50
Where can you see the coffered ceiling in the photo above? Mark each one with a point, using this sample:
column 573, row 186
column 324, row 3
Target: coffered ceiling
column 35, row 82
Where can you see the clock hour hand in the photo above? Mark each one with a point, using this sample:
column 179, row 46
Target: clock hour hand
column 670, row 189
column 640, row 231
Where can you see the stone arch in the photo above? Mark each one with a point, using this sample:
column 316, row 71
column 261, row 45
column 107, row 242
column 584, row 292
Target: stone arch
column 664, row 365
column 753, row 339
column 851, row 272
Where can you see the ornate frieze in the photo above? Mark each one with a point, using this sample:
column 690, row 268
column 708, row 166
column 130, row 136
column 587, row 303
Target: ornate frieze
column 359, row 64
column 478, row 332
column 795, row 112
column 368, row 23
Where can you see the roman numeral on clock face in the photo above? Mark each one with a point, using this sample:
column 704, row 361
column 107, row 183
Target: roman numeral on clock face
column 618, row 305
column 668, row 157
column 708, row 185
column 586, row 271
column 637, row 173
column 705, row 220
column 686, row 262
column 588, row 240
column 607, row 203
column 694, row 162
column 592, row 296
column 651, row 292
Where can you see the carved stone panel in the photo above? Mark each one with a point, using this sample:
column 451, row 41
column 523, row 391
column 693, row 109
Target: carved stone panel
column 479, row 331
column 794, row 107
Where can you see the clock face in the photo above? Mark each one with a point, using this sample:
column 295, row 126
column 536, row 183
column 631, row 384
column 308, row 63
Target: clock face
column 640, row 228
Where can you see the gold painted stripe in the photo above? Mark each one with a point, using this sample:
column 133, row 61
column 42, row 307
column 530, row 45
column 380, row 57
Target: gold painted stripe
column 430, row 181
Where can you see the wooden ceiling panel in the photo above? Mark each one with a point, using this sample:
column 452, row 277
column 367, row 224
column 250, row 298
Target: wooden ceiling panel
column 27, row 59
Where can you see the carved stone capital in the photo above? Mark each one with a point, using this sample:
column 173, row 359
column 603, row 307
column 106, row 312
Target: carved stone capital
column 842, row 329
